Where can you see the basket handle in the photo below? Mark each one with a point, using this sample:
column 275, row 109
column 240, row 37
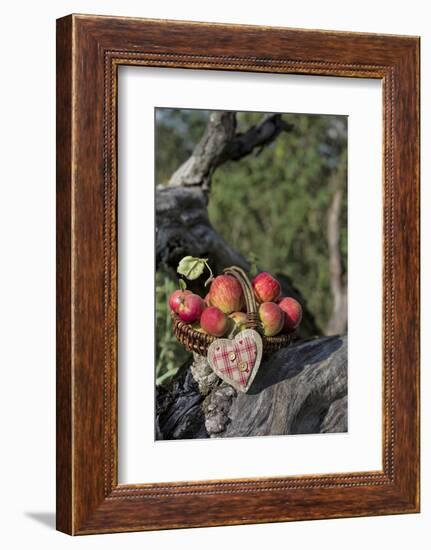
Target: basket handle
column 250, row 301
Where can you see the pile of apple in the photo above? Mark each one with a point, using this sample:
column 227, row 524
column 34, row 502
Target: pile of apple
column 223, row 309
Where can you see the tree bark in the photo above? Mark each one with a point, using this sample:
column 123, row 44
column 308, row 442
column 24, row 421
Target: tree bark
column 221, row 143
column 300, row 389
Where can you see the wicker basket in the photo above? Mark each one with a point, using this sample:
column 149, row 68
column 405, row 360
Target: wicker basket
column 199, row 342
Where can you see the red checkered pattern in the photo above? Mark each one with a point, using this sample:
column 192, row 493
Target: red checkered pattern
column 228, row 356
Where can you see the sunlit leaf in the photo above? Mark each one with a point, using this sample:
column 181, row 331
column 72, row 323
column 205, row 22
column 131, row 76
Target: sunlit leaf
column 191, row 267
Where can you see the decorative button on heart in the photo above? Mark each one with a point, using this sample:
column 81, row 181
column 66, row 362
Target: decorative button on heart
column 237, row 361
column 243, row 367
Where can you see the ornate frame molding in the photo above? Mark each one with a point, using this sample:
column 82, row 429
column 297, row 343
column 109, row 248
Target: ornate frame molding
column 90, row 49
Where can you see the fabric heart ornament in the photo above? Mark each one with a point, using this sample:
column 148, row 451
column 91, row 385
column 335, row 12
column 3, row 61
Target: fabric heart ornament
column 237, row 361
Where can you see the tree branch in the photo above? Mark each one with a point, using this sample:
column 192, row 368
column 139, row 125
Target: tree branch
column 338, row 321
column 221, row 143
column 256, row 137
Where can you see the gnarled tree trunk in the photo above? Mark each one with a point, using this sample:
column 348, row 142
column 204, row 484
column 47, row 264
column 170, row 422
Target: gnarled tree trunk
column 299, row 389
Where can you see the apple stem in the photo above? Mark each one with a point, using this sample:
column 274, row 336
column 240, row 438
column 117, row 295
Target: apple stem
column 211, row 277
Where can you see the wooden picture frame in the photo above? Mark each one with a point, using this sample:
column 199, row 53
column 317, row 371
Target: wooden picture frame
column 89, row 51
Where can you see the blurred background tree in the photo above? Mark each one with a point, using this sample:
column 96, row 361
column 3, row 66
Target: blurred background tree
column 272, row 205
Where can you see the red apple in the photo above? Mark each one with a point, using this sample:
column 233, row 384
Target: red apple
column 266, row 288
column 292, row 313
column 240, row 318
column 226, row 294
column 207, row 300
column 191, row 308
column 177, row 298
column 272, row 318
column 214, row 321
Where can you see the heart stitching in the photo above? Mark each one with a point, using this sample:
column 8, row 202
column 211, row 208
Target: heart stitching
column 237, row 361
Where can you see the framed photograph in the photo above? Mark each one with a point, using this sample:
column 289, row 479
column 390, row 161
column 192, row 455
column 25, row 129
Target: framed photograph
column 237, row 274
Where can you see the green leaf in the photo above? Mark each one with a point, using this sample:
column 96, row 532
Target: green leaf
column 191, row 268
column 182, row 284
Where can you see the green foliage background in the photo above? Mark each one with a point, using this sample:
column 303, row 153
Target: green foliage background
column 272, row 204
